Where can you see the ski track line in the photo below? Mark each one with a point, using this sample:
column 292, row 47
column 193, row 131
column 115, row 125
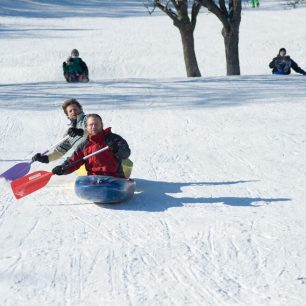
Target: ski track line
column 214, row 288
column 28, row 233
column 96, row 230
column 4, row 210
column 12, row 266
column 209, row 261
column 110, row 272
column 189, row 270
column 75, row 290
column 92, row 266
column 196, row 294
column 127, row 281
column 68, row 212
column 182, row 273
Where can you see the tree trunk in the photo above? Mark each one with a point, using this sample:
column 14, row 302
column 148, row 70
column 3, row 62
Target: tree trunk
column 191, row 63
column 231, row 42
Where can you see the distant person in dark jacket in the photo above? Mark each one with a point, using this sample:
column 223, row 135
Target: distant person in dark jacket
column 282, row 64
column 75, row 69
column 107, row 163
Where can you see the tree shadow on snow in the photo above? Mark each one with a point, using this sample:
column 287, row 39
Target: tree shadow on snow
column 158, row 94
column 157, row 196
column 72, row 8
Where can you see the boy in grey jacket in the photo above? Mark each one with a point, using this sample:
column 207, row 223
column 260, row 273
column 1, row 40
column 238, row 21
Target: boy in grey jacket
column 77, row 132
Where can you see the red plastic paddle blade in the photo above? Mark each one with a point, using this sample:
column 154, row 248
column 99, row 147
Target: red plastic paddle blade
column 30, row 183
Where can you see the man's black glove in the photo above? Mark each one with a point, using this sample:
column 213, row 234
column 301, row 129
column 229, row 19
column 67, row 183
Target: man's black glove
column 58, row 170
column 73, row 132
column 41, row 158
column 113, row 147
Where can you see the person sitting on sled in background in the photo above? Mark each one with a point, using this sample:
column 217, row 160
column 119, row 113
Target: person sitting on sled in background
column 77, row 132
column 282, row 64
column 105, row 163
column 75, row 69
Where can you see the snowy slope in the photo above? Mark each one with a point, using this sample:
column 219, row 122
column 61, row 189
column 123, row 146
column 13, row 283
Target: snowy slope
column 219, row 213
column 143, row 46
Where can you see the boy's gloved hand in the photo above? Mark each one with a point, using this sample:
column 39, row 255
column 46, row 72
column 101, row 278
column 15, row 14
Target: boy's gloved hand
column 73, row 132
column 41, row 158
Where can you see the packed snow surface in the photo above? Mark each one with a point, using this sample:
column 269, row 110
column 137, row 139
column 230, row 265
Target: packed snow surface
column 218, row 217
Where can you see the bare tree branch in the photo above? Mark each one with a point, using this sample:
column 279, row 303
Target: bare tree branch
column 167, row 11
column 223, row 7
column 212, row 7
column 175, row 4
column 194, row 13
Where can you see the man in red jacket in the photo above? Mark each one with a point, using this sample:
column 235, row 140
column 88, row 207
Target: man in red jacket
column 105, row 163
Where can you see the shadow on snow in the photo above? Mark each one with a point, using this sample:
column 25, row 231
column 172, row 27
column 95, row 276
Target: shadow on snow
column 72, row 8
column 155, row 93
column 157, row 196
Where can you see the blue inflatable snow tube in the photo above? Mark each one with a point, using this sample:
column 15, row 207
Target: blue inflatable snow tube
column 104, row 189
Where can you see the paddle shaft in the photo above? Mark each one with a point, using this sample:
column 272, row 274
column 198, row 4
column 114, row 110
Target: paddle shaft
column 85, row 157
column 52, row 147
column 55, row 145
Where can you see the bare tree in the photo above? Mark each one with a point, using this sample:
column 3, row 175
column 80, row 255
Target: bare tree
column 230, row 16
column 177, row 10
